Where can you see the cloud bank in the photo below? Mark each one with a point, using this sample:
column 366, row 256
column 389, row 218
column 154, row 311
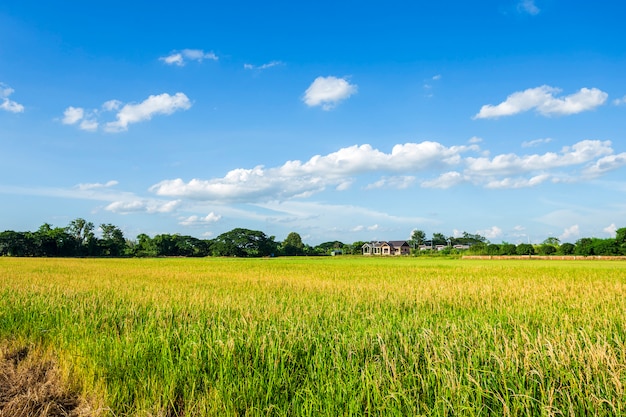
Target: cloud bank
column 440, row 166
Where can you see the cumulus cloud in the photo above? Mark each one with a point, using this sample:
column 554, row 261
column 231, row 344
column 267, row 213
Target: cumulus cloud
column 570, row 232
column 199, row 221
column 126, row 114
column 328, row 92
column 450, row 166
column 7, row 104
column 72, row 115
column 180, row 58
column 153, row 105
column 302, row 179
column 610, row 229
column 492, row 233
column 444, row 181
column 528, row 6
column 140, row 205
column 543, row 100
column 605, row 164
column 263, row 66
column 511, row 164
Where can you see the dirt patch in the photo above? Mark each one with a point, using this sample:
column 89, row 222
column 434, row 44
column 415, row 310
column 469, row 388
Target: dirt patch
column 31, row 387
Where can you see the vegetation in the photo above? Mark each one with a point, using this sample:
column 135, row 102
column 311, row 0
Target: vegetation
column 79, row 240
column 324, row 336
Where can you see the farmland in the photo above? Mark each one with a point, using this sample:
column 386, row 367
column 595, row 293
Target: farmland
column 323, row 336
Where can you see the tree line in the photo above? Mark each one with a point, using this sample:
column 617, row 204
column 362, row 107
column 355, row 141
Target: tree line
column 79, row 239
column 479, row 245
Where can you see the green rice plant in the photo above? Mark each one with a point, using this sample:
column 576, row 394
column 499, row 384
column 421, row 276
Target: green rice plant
column 327, row 336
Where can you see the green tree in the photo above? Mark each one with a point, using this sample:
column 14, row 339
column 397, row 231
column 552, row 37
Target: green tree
column 418, row 237
column 525, row 249
column 584, row 247
column 293, row 245
column 83, row 232
column 553, row 241
column 507, row 249
column 326, row 247
column 357, row 247
column 620, row 239
column 493, row 249
column 546, row 249
column 113, row 242
column 566, row 249
column 439, row 239
column 244, row 243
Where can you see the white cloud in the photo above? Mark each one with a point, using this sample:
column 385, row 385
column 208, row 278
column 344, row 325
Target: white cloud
column 528, row 6
column 339, row 170
column 397, row 182
column 492, row 233
column 619, row 101
column 7, row 104
column 610, row 229
column 197, row 220
column 142, row 205
column 92, row 186
column 72, row 115
column 445, row 180
column 605, row 164
column 153, row 105
column 295, row 178
column 543, row 101
column 570, row 232
column 263, row 66
column 535, row 142
column 89, row 125
column 111, row 105
column 128, row 114
column 328, row 92
column 436, row 77
column 517, row 182
column 511, row 164
column 180, row 58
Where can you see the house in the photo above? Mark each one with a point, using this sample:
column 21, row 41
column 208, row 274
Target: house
column 391, row 248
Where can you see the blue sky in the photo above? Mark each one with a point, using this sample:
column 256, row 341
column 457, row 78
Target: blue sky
column 337, row 120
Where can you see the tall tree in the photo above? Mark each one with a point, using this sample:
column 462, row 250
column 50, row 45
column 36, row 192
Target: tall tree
column 292, row 245
column 113, row 242
column 418, row 237
column 83, row 233
column 439, row 239
column 244, row 243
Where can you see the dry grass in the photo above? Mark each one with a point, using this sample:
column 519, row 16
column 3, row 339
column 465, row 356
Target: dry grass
column 31, row 386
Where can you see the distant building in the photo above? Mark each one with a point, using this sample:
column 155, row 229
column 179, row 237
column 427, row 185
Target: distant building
column 390, row 248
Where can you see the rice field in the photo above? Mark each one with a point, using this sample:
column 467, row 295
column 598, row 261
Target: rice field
column 337, row 336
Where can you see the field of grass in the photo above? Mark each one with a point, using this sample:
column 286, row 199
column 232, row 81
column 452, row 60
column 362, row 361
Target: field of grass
column 325, row 336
